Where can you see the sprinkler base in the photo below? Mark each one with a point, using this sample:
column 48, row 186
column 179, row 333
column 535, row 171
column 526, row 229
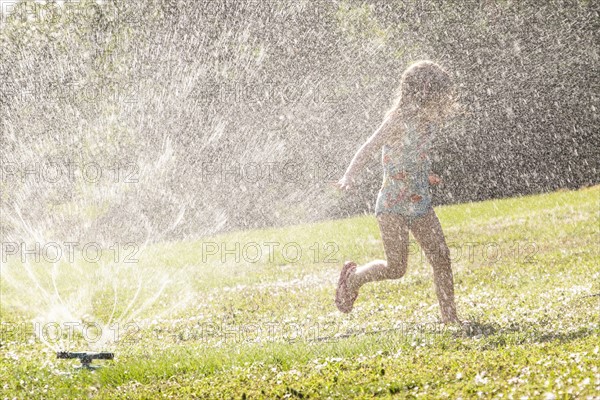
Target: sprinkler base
column 85, row 358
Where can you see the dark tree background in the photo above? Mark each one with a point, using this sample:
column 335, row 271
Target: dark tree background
column 185, row 91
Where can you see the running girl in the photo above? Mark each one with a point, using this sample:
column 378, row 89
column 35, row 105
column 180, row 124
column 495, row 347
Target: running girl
column 404, row 203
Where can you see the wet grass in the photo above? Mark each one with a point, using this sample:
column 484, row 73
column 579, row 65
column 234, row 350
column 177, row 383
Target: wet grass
column 526, row 272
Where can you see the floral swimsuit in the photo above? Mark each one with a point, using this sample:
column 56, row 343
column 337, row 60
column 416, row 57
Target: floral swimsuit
column 405, row 188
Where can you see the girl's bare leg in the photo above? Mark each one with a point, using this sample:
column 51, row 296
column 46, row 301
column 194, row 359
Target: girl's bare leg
column 394, row 233
column 428, row 232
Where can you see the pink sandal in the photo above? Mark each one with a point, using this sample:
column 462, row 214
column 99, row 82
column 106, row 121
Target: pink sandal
column 344, row 299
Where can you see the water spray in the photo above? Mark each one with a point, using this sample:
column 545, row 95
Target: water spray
column 85, row 358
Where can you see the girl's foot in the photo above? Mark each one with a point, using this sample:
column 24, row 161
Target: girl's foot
column 344, row 295
column 448, row 311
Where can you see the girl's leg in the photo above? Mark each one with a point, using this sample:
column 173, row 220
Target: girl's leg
column 394, row 233
column 428, row 232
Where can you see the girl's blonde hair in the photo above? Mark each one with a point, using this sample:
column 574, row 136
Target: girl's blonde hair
column 423, row 85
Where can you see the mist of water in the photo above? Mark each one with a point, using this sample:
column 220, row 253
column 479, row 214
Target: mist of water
column 134, row 123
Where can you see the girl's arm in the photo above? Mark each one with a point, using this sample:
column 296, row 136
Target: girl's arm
column 381, row 136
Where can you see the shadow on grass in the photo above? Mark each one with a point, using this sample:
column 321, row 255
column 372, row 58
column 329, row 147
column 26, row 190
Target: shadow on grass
column 497, row 336
column 488, row 335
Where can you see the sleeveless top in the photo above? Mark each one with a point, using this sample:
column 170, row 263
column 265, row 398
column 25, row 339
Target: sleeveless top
column 406, row 167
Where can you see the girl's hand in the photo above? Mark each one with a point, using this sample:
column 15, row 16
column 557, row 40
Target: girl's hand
column 434, row 179
column 345, row 183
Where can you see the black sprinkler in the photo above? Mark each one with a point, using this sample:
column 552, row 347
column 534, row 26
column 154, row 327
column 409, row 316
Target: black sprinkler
column 85, row 358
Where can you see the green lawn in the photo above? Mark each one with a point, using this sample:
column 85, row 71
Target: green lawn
column 265, row 326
